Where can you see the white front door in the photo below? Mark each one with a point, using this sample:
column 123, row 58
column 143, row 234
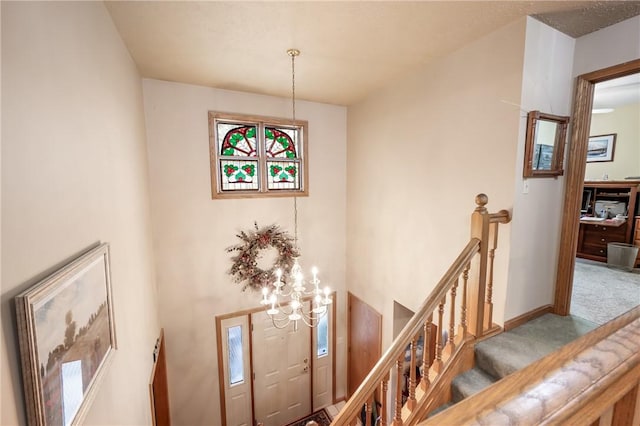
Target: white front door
column 282, row 368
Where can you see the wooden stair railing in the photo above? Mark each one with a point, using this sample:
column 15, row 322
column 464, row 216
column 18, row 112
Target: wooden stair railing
column 444, row 325
column 593, row 380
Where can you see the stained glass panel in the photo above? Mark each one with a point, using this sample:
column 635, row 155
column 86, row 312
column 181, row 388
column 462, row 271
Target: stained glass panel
column 281, row 142
column 237, row 140
column 283, row 175
column 238, row 175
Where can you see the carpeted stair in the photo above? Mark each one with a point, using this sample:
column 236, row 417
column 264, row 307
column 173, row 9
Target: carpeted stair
column 510, row 351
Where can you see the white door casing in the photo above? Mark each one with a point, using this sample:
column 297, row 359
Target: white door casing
column 282, row 371
column 238, row 395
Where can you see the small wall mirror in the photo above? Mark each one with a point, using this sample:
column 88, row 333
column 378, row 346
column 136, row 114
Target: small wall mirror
column 544, row 146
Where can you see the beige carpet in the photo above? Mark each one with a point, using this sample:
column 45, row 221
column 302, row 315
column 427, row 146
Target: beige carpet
column 601, row 293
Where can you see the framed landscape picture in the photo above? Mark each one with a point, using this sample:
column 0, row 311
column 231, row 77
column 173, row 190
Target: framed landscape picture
column 600, row 148
column 67, row 338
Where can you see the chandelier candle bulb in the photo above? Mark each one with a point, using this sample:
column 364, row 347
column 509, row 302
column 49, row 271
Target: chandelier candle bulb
column 273, row 310
column 278, row 284
column 265, row 293
column 327, row 299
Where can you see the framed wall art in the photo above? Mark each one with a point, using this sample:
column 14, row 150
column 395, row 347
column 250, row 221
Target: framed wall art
column 600, row 148
column 67, row 338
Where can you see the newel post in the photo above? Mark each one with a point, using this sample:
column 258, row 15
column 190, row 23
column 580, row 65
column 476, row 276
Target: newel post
column 480, row 220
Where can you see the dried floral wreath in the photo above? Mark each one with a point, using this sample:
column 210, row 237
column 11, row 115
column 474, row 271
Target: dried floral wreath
column 245, row 270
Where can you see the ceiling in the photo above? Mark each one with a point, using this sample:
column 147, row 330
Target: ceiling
column 617, row 92
column 348, row 48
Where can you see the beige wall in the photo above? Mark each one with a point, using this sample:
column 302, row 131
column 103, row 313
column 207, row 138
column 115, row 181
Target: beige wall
column 74, row 173
column 625, row 123
column 191, row 231
column 547, row 86
column 419, row 152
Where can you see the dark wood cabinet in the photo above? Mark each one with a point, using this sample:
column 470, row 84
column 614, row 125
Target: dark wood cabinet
column 636, row 239
column 602, row 202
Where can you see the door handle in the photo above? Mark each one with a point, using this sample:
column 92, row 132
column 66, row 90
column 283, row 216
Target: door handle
column 305, row 369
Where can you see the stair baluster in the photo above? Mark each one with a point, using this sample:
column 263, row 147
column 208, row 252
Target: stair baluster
column 452, row 319
column 463, row 308
column 437, row 364
column 383, row 408
column 488, row 307
column 397, row 419
column 411, row 402
column 426, row 353
column 368, row 410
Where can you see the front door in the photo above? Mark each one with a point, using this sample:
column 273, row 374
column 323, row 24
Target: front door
column 282, row 367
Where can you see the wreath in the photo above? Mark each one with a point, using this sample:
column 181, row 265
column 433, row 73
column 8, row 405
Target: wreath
column 244, row 268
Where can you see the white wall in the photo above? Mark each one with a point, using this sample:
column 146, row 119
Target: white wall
column 610, row 46
column 547, row 86
column 624, row 121
column 191, row 231
column 420, row 150
column 74, row 173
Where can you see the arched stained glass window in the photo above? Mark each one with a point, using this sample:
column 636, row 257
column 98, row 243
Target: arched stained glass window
column 279, row 142
column 238, row 140
column 253, row 156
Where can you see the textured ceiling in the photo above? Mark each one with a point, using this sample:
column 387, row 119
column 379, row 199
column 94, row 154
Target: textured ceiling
column 349, row 48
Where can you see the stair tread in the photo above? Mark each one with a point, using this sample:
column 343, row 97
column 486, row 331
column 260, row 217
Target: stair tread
column 513, row 350
column 469, row 383
column 505, row 353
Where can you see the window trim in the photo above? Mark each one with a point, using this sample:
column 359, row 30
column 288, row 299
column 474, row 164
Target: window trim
column 263, row 191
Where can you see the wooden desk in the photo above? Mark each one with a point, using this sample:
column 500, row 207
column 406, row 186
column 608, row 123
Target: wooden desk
column 595, row 235
column 614, row 223
column 636, row 240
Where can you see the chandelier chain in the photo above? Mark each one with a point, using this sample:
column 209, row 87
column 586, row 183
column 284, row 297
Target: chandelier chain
column 293, row 53
column 295, row 222
column 287, row 299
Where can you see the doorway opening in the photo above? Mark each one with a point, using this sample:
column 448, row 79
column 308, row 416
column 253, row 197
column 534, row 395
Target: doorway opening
column 576, row 167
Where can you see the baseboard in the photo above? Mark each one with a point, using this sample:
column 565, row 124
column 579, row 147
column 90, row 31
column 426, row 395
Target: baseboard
column 527, row 316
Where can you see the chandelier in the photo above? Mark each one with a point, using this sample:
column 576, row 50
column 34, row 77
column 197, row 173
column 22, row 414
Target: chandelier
column 287, row 299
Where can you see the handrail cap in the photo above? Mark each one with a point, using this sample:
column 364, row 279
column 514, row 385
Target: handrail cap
column 481, row 201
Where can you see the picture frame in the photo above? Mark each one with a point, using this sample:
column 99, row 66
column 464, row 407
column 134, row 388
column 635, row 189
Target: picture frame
column 601, row 148
column 67, row 339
